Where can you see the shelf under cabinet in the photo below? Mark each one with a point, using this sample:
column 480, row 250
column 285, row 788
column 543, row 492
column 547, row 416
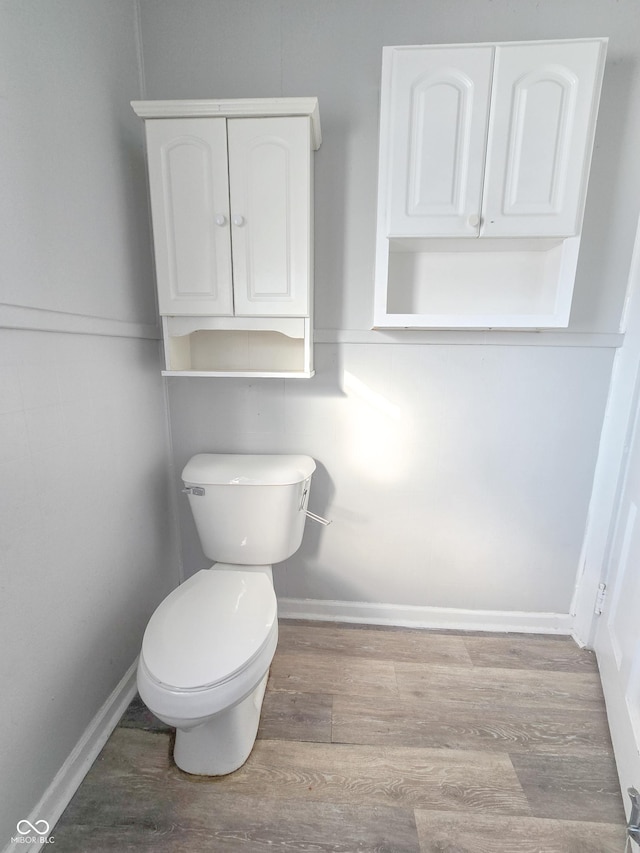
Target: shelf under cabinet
column 478, row 283
column 240, row 374
column 257, row 347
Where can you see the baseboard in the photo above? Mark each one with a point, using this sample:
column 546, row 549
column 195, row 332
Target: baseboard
column 67, row 780
column 409, row 616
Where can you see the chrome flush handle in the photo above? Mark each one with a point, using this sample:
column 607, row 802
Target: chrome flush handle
column 324, row 521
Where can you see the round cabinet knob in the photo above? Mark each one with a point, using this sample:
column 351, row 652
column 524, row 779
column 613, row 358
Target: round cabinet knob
column 221, row 220
column 238, row 220
column 474, row 220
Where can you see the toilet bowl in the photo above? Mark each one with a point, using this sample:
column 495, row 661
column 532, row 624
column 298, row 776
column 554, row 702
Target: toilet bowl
column 204, row 663
column 207, row 648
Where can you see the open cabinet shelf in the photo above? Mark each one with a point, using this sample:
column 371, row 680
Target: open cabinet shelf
column 227, row 346
column 503, row 283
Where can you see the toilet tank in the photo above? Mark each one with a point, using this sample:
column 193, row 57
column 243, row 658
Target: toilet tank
column 249, row 509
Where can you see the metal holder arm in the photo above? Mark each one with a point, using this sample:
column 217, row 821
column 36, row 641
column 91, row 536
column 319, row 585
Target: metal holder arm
column 318, row 518
column 633, row 826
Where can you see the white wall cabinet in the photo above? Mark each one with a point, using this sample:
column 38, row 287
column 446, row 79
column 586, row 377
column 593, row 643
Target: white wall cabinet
column 189, row 189
column 543, row 113
column 435, row 136
column 489, row 147
column 270, row 191
column 231, row 185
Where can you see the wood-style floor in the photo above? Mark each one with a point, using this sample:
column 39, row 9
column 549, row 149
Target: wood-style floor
column 378, row 739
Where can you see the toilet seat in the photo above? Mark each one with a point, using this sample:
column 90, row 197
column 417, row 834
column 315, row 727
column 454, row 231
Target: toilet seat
column 209, row 630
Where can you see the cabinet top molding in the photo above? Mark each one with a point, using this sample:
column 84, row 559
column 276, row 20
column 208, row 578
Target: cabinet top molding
column 464, row 45
column 235, row 108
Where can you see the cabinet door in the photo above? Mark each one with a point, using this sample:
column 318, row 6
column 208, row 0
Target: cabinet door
column 189, row 187
column 270, row 179
column 434, row 139
column 543, row 113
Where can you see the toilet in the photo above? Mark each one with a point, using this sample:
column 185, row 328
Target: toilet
column 207, row 648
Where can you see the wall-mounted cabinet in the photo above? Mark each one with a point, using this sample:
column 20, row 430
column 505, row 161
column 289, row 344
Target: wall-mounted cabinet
column 484, row 161
column 231, row 186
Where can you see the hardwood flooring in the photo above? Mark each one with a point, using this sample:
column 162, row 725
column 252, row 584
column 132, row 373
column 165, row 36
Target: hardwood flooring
column 379, row 739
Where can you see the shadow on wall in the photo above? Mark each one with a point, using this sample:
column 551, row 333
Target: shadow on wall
column 320, row 499
column 601, row 227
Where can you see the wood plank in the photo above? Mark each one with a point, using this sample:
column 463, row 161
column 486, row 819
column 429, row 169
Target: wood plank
column 372, row 776
column 283, row 771
column 455, row 832
column 457, row 725
column 559, row 787
column 521, row 651
column 310, row 672
column 135, row 797
column 516, row 688
column 397, row 644
column 239, row 824
column 296, row 716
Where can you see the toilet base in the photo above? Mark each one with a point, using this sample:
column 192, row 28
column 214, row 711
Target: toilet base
column 223, row 743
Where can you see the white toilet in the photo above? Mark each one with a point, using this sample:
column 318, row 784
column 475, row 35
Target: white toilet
column 207, row 648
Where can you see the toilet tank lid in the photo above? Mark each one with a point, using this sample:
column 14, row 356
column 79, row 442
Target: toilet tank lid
column 227, row 469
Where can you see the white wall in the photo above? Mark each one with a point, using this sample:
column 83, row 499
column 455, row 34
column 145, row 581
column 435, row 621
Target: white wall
column 75, row 238
column 457, row 472
column 86, row 547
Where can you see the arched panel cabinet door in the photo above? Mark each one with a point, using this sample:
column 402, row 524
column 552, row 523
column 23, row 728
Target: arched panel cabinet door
column 270, row 179
column 434, row 140
column 543, row 115
column 189, row 188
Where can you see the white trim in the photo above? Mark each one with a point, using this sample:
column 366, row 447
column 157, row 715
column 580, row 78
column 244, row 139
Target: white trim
column 603, row 39
column 239, row 374
column 67, row 780
column 452, row 337
column 235, row 107
column 44, row 320
column 412, row 616
column 292, row 327
column 622, row 401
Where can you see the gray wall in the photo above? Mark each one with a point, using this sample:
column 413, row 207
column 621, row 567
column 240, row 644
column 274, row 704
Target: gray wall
column 458, row 469
column 86, row 547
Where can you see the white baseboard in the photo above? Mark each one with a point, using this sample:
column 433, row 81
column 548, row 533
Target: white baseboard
column 408, row 616
column 67, row 780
